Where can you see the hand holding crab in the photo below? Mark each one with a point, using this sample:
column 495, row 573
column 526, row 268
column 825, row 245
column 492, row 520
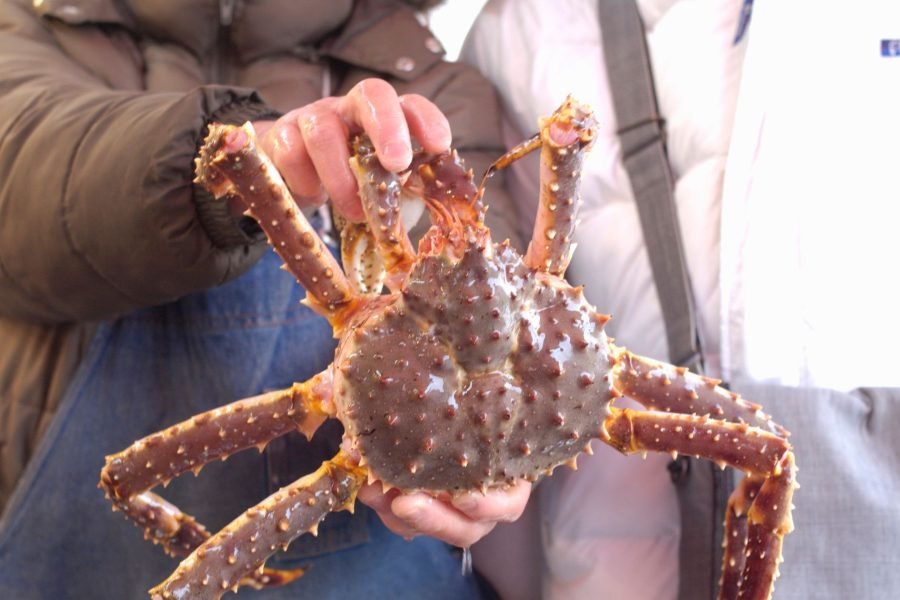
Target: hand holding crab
column 461, row 520
column 479, row 368
column 309, row 145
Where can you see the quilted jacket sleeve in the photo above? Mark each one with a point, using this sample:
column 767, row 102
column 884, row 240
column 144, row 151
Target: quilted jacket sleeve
column 97, row 215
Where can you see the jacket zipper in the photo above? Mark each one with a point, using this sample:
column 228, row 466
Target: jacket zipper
column 222, row 57
column 226, row 12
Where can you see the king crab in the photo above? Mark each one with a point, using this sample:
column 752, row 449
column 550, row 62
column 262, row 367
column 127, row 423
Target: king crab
column 479, row 367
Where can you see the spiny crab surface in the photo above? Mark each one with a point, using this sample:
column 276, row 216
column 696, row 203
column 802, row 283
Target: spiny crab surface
column 478, row 367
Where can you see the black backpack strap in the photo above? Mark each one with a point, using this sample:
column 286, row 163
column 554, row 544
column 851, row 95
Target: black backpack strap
column 703, row 489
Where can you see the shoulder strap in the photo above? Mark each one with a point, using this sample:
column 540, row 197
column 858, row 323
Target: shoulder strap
column 642, row 135
column 702, row 488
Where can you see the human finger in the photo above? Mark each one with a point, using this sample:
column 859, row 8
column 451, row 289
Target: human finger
column 373, row 106
column 426, row 123
column 372, row 496
column 283, row 144
column 499, row 504
column 325, row 136
column 433, row 517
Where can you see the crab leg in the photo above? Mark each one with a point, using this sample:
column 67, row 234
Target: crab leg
column 361, row 260
column 180, row 535
column 735, row 542
column 380, row 192
column 128, row 476
column 565, row 136
column 230, row 557
column 663, row 387
column 668, row 389
column 230, row 165
column 441, row 180
column 520, row 150
column 447, row 186
column 766, row 456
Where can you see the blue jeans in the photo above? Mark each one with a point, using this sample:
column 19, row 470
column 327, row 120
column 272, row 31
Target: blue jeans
column 142, row 373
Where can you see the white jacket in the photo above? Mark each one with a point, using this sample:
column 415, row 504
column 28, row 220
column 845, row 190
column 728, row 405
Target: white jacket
column 812, row 199
column 611, row 529
column 787, row 189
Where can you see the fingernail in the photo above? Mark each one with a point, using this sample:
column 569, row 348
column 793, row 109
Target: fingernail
column 311, row 201
column 466, row 503
column 397, row 155
column 410, row 515
column 408, row 508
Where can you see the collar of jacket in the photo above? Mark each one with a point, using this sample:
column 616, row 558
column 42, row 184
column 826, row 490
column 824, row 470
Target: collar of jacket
column 383, row 36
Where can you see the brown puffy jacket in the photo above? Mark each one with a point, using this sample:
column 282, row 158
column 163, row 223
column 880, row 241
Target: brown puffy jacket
column 102, row 106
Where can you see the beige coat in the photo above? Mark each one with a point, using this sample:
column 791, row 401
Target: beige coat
column 102, row 106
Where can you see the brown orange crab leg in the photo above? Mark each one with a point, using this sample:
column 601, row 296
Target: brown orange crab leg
column 230, row 164
column 180, row 535
column 721, row 426
column 228, row 558
column 128, row 476
column 520, row 150
column 381, row 246
column 448, row 186
column 735, row 543
column 564, row 138
column 766, row 456
column 666, row 388
column 380, row 192
column 361, row 259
